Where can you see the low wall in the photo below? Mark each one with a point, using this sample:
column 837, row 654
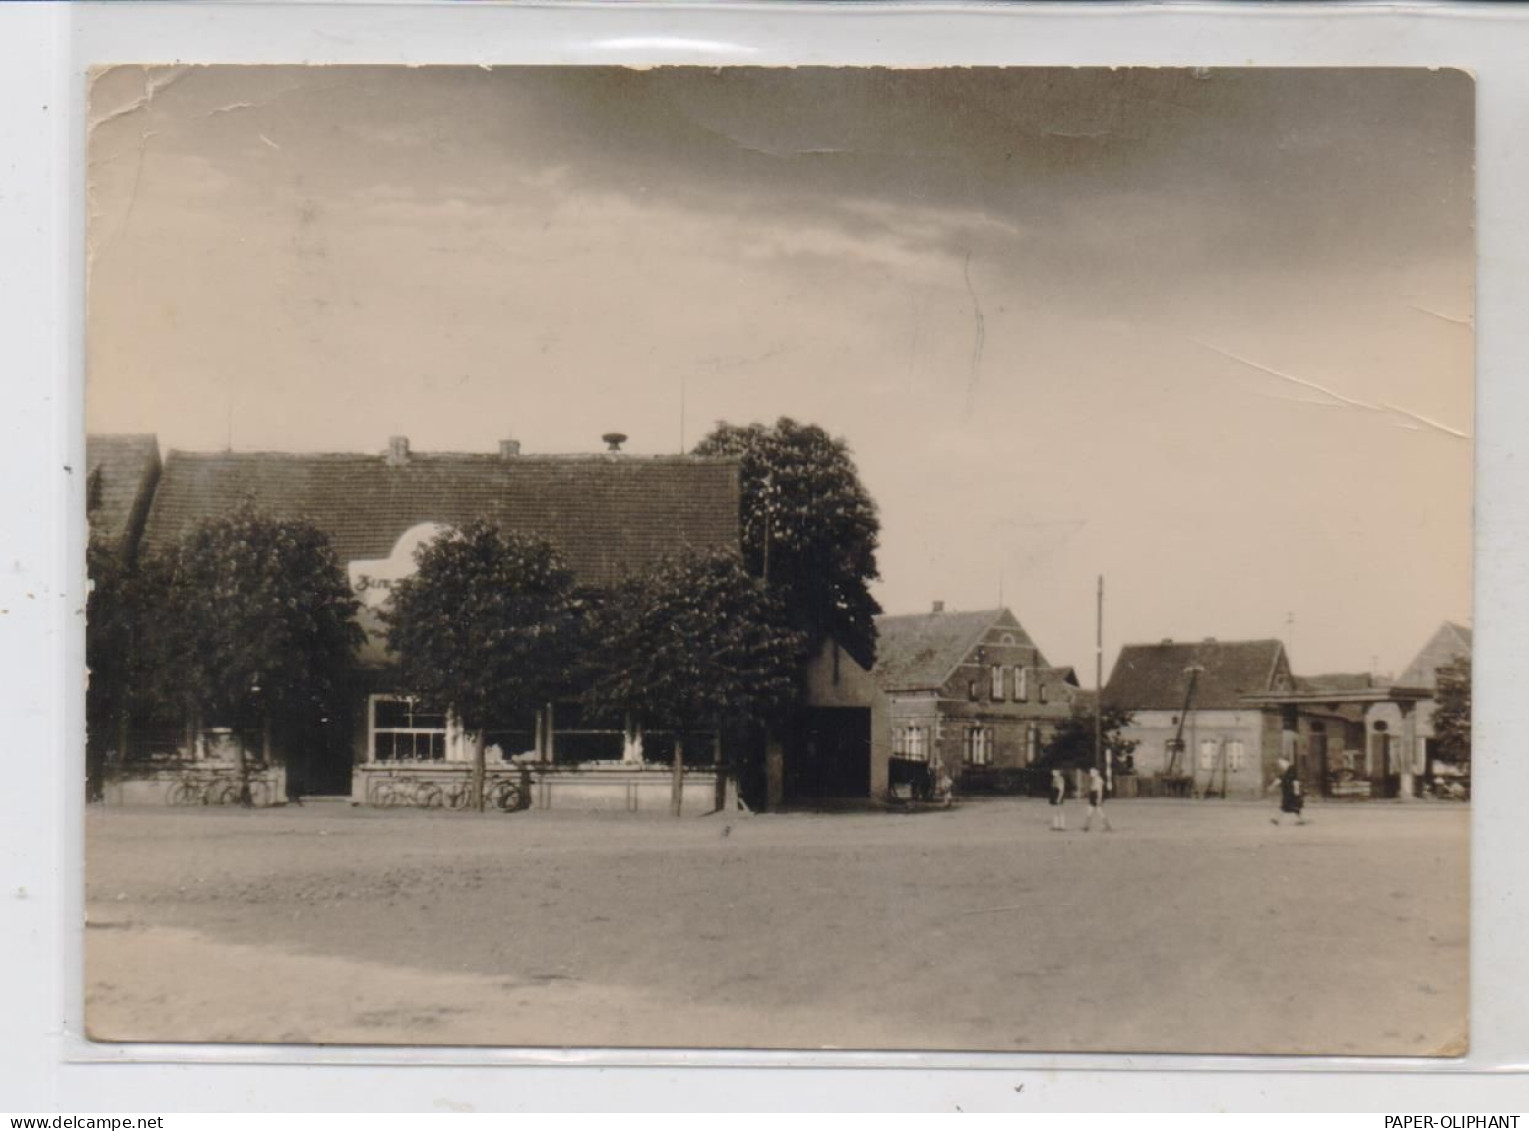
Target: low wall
column 610, row 787
column 158, row 785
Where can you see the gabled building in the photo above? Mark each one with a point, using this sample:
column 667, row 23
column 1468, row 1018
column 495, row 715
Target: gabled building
column 1449, row 646
column 968, row 689
column 121, row 471
column 1199, row 694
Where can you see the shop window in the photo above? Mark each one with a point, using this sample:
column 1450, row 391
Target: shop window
column 406, row 730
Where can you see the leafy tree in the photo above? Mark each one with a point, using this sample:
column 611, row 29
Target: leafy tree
column 1452, row 715
column 809, row 527
column 111, row 630
column 696, row 644
column 253, row 617
column 488, row 621
column 1072, row 745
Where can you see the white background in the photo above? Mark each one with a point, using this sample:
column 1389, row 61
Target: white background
column 45, row 50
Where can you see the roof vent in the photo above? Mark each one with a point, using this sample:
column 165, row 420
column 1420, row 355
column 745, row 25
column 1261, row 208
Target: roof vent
column 1208, row 640
column 398, row 449
column 1166, row 640
column 614, row 440
column 509, row 449
column 939, row 607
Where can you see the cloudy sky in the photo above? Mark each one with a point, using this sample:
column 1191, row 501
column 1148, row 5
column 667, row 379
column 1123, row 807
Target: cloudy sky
column 1206, row 333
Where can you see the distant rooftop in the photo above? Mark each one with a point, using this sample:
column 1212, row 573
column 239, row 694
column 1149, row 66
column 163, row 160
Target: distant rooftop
column 120, row 469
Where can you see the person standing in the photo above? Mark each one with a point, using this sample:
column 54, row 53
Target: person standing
column 1291, row 800
column 1058, row 796
column 1096, row 802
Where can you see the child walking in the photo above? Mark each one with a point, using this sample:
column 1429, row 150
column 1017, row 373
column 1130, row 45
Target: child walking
column 1096, row 802
column 1058, row 795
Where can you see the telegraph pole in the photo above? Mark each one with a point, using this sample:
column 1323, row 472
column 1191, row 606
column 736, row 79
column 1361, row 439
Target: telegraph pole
column 1099, row 688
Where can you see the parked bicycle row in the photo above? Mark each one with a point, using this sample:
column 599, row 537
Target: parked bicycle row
column 504, row 794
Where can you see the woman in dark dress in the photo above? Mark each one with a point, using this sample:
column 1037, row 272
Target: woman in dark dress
column 1290, row 798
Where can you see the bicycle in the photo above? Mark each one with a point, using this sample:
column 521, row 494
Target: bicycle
column 396, row 792
column 505, row 794
column 219, row 789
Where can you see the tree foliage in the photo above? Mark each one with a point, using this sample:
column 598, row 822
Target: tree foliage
column 696, row 644
column 252, row 615
column 1452, row 715
column 488, row 623
column 1072, row 745
column 113, row 618
column 809, row 527
column 111, row 621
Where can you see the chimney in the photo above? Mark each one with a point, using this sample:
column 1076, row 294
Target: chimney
column 614, row 440
column 1208, row 640
column 509, row 449
column 939, row 607
column 398, row 449
column 1166, row 640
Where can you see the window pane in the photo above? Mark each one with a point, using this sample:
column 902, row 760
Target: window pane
column 428, row 718
column 390, row 713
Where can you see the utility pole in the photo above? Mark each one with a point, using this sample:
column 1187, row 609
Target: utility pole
column 1099, row 688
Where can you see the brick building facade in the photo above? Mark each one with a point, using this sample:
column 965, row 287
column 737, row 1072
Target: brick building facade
column 968, row 689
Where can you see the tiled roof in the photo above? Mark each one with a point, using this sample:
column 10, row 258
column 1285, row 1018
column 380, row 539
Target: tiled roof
column 918, row 651
column 1450, row 641
column 607, row 514
column 1152, row 677
column 1337, row 681
column 119, row 474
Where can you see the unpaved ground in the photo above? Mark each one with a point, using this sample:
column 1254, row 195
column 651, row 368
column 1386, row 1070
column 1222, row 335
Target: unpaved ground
column 1197, row 927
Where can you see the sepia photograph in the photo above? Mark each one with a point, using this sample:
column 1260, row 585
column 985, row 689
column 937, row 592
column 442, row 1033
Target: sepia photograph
column 957, row 559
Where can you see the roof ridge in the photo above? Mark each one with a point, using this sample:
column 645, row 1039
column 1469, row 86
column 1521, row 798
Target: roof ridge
column 477, row 457
column 942, row 613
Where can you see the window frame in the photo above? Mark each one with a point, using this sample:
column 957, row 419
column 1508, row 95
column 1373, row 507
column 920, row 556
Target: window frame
column 373, row 730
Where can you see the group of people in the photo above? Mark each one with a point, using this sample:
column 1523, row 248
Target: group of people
column 1292, row 800
column 1095, row 802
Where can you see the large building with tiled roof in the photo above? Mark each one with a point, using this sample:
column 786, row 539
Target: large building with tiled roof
column 968, row 690
column 609, row 514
